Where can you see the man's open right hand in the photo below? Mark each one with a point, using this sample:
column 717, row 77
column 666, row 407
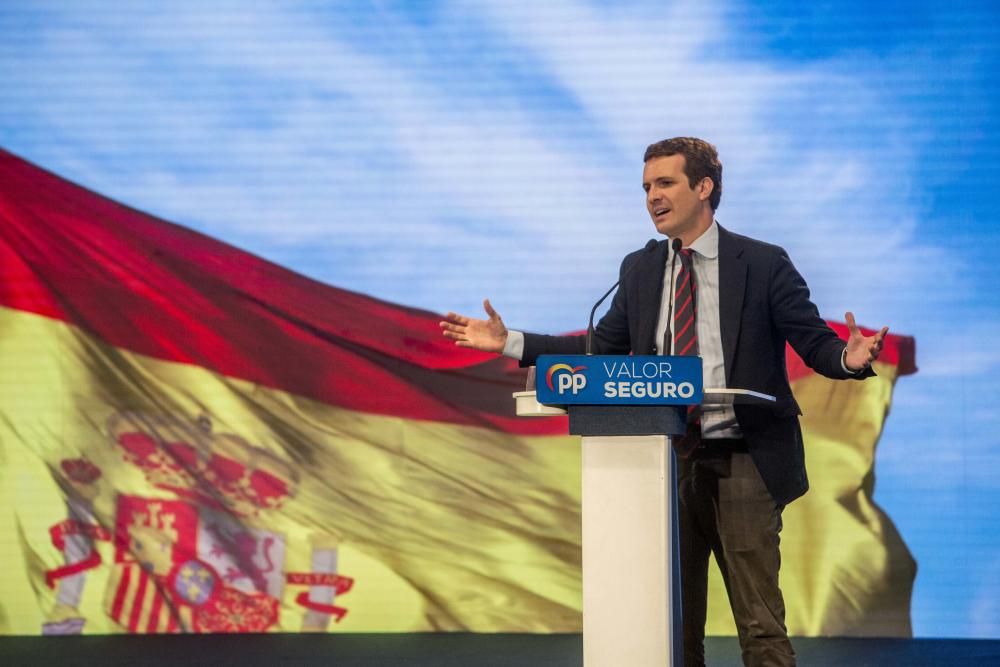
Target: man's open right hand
column 487, row 335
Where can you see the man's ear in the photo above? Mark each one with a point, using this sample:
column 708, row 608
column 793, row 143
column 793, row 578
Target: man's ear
column 705, row 188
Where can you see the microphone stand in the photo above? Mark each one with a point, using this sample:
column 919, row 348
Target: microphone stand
column 590, row 324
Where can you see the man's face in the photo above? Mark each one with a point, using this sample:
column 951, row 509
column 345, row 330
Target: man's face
column 677, row 209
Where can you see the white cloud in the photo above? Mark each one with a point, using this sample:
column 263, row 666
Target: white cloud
column 962, row 349
column 791, row 176
column 364, row 154
column 275, row 130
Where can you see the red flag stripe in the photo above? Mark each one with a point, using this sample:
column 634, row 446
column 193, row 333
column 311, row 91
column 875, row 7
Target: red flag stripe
column 152, row 287
column 155, row 288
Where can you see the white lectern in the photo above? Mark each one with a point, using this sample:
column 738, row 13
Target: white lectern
column 631, row 568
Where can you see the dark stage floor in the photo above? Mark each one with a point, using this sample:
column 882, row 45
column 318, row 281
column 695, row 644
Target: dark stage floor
column 447, row 650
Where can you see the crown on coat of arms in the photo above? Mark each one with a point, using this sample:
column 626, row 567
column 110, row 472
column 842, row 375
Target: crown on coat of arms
column 217, row 470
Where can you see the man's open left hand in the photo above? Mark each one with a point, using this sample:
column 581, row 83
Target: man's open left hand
column 862, row 350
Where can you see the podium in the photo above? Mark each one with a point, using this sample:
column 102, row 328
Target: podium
column 631, row 553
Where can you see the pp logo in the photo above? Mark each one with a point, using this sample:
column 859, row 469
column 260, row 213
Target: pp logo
column 567, row 378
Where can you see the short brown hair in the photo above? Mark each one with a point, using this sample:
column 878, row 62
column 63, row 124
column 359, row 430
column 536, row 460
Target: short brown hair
column 701, row 160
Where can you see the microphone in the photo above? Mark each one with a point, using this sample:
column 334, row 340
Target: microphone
column 668, row 340
column 590, row 324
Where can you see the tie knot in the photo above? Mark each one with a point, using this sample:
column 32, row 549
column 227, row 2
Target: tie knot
column 685, row 256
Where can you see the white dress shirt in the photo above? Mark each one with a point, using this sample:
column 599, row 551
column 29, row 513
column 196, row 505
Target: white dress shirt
column 717, row 421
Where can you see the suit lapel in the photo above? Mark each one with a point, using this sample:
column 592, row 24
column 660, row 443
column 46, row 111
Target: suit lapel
column 650, row 284
column 732, row 287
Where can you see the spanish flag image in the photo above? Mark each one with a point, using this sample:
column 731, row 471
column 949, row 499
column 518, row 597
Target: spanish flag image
column 194, row 439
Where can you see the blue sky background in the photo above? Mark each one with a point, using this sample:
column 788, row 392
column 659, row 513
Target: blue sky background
column 434, row 153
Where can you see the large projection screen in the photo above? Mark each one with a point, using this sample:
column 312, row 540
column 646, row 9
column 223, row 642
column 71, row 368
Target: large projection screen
column 430, row 155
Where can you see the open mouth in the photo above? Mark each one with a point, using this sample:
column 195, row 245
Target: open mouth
column 660, row 212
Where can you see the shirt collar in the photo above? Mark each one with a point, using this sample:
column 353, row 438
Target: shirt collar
column 707, row 245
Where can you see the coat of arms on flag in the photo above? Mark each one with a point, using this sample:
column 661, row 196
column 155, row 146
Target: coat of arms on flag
column 193, row 562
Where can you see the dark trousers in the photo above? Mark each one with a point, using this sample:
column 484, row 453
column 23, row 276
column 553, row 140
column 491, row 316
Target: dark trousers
column 725, row 509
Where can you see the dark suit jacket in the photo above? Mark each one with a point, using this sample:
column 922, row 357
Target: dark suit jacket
column 763, row 302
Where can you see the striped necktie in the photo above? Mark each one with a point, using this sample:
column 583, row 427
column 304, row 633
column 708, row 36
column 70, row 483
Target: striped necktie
column 686, row 343
column 685, row 330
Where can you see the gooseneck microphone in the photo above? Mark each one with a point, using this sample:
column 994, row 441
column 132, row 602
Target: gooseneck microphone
column 668, row 339
column 590, row 324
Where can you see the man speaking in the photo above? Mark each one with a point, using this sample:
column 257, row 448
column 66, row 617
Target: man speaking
column 736, row 303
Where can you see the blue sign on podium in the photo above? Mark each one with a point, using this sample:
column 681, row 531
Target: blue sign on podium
column 618, row 380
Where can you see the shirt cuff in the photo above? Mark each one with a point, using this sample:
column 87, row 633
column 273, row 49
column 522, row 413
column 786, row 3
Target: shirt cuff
column 843, row 363
column 514, row 347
